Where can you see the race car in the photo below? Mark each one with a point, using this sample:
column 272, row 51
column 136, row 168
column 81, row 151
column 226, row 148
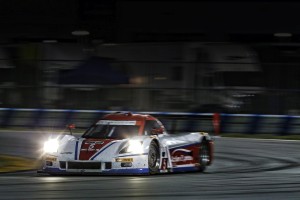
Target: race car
column 126, row 143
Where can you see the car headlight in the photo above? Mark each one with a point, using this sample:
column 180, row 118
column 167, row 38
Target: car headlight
column 51, row 146
column 135, row 146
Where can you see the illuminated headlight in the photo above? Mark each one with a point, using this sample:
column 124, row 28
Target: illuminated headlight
column 135, row 146
column 51, row 146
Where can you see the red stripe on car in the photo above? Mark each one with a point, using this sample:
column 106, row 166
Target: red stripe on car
column 89, row 147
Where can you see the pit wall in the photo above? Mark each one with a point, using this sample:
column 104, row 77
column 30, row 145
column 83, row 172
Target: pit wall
column 174, row 122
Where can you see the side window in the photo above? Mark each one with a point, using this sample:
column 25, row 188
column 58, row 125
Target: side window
column 150, row 125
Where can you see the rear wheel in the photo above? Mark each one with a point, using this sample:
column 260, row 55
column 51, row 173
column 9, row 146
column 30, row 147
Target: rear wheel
column 153, row 158
column 204, row 157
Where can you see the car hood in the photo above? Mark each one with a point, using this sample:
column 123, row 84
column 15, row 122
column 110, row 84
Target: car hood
column 72, row 148
column 89, row 147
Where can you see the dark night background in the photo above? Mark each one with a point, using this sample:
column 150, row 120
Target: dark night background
column 149, row 55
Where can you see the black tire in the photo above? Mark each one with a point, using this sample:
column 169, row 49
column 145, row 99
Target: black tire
column 204, row 157
column 153, row 158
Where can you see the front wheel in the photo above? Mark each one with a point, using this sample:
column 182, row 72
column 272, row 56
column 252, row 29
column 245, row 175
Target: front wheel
column 204, row 157
column 153, row 158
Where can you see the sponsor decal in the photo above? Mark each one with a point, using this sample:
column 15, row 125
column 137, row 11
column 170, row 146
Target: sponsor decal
column 164, row 163
column 91, row 148
column 181, row 155
column 124, row 160
column 115, row 122
column 92, row 145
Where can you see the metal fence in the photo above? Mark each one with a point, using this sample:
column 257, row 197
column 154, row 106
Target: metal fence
column 154, row 86
column 153, row 99
column 56, row 119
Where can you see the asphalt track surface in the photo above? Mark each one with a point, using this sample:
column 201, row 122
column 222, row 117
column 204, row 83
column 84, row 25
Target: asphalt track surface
column 243, row 169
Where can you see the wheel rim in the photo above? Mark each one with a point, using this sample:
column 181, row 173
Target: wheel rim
column 153, row 159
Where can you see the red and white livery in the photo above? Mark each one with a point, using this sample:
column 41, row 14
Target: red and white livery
column 125, row 143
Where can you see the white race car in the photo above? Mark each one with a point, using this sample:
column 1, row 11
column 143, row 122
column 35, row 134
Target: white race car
column 125, row 143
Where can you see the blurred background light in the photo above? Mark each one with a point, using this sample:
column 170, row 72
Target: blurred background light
column 80, row 32
column 283, row 34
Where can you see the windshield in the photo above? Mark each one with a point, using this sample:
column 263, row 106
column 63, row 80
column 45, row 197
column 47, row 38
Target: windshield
column 111, row 131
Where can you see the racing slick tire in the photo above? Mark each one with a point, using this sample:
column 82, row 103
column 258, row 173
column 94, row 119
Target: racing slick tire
column 204, row 156
column 153, row 158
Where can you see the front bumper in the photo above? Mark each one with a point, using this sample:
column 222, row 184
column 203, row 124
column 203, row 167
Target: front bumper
column 137, row 164
column 138, row 171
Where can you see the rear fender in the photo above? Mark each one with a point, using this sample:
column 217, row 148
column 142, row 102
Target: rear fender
column 206, row 137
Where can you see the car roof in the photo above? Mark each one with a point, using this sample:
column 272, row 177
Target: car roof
column 128, row 116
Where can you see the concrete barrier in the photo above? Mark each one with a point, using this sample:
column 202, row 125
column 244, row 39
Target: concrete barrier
column 174, row 121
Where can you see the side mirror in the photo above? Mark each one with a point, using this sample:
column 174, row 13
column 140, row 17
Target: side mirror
column 71, row 127
column 157, row 131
